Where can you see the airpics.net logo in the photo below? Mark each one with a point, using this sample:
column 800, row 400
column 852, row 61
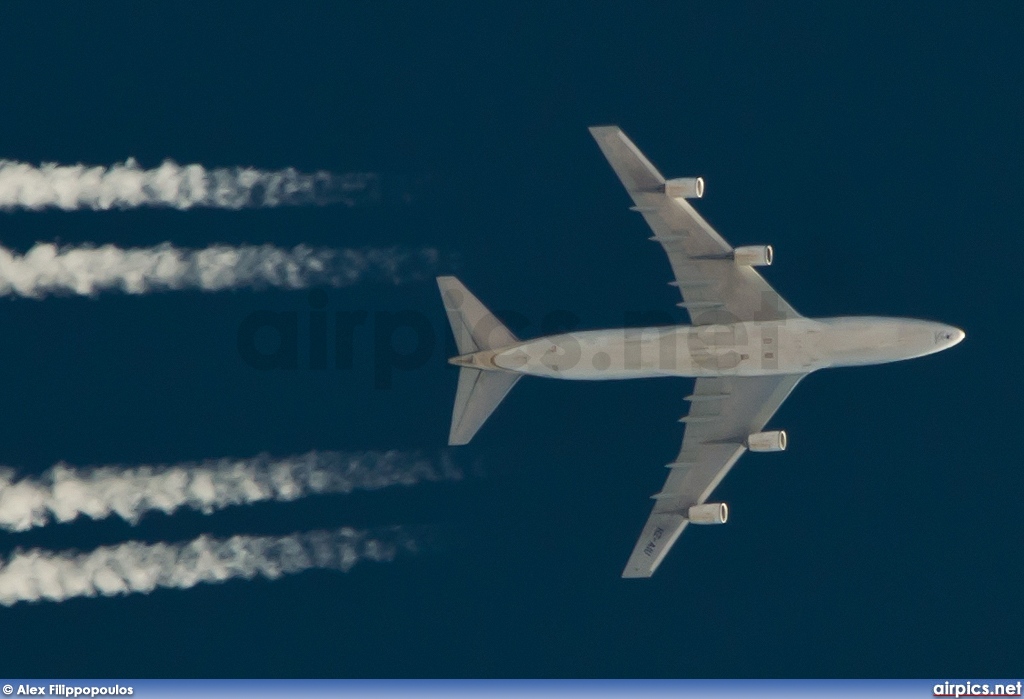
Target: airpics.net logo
column 977, row 689
column 321, row 337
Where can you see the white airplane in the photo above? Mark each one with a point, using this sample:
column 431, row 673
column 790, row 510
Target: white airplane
column 745, row 345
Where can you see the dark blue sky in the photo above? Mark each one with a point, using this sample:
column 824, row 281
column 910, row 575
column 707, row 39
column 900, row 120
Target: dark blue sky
column 877, row 147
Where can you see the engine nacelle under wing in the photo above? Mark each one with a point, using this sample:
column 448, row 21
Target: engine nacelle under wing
column 685, row 187
column 753, row 255
column 767, row 441
column 708, row 513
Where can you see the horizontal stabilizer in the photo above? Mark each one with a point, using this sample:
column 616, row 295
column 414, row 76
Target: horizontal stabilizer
column 474, row 326
column 476, row 330
column 477, row 396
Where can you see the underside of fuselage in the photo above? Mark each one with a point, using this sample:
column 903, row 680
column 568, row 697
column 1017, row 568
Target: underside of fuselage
column 792, row 346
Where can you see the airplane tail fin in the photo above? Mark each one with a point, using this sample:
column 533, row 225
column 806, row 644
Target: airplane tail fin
column 476, row 329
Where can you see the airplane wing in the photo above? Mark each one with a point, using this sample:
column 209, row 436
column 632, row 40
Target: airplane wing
column 714, row 288
column 723, row 413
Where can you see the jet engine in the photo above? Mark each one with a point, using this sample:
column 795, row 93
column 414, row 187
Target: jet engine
column 753, row 255
column 708, row 513
column 685, row 187
column 767, row 441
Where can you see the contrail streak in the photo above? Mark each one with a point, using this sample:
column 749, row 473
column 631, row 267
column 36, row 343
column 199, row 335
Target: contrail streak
column 87, row 270
column 135, row 566
column 126, row 185
column 63, row 493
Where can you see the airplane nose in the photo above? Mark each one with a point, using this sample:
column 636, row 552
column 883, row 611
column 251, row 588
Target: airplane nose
column 950, row 336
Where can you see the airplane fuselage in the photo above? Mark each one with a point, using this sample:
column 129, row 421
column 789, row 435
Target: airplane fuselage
column 792, row 346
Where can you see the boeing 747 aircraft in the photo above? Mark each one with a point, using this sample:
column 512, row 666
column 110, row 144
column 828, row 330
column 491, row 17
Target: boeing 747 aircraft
column 746, row 347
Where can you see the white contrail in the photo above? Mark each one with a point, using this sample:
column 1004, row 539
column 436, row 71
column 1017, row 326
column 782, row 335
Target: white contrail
column 126, row 185
column 135, row 566
column 87, row 270
column 64, row 493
